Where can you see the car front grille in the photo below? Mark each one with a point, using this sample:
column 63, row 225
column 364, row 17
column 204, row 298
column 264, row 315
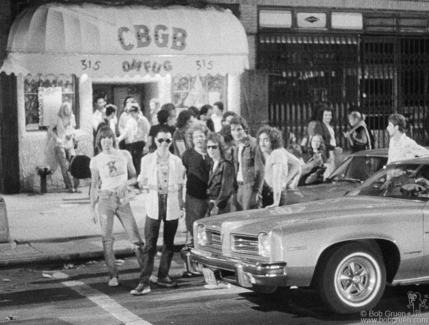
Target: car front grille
column 246, row 245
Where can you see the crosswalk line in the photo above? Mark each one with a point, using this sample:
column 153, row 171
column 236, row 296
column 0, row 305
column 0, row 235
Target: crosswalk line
column 107, row 303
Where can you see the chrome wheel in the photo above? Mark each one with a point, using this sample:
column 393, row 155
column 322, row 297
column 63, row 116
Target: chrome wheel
column 352, row 278
column 357, row 278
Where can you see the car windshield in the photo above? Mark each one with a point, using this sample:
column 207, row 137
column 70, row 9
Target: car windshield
column 358, row 168
column 399, row 181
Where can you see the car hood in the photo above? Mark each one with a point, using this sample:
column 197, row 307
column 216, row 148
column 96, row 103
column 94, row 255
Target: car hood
column 253, row 221
column 320, row 191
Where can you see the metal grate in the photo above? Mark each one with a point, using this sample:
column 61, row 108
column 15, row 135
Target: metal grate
column 379, row 74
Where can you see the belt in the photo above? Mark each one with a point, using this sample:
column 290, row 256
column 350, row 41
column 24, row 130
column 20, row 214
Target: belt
column 240, row 183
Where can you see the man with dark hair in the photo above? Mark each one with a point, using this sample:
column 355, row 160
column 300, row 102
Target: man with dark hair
column 161, row 178
column 171, row 109
column 162, row 118
column 227, row 116
column 217, row 116
column 97, row 116
column 247, row 161
column 401, row 147
column 205, row 114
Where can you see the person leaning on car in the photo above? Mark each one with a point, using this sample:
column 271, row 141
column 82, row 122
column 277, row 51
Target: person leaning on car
column 247, row 161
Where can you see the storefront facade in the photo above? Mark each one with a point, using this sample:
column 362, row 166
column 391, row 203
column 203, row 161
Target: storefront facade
column 73, row 53
column 371, row 54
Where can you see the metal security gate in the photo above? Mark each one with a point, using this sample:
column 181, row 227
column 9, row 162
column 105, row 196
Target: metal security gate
column 380, row 75
column 394, row 78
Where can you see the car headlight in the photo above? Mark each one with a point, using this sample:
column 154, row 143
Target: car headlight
column 201, row 235
column 264, row 244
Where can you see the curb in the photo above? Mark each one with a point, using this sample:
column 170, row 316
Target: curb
column 70, row 257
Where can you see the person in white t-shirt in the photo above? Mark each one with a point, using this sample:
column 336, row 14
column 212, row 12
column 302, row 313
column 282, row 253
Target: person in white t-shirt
column 115, row 170
column 280, row 167
column 135, row 134
column 217, row 116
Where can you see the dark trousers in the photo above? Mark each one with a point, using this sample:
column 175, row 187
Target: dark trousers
column 195, row 209
column 151, row 233
column 136, row 151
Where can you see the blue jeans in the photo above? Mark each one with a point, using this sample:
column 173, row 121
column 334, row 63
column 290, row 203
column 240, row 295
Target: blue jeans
column 151, row 233
column 245, row 198
column 64, row 156
column 109, row 205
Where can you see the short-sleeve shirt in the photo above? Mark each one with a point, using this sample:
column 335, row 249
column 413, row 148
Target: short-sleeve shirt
column 277, row 156
column 113, row 168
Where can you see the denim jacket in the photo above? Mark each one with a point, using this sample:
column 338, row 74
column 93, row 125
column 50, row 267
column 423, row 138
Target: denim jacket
column 252, row 165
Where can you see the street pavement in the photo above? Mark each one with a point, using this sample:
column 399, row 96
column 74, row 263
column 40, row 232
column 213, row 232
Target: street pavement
column 57, row 227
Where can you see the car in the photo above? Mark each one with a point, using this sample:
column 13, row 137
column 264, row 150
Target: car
column 347, row 248
column 353, row 171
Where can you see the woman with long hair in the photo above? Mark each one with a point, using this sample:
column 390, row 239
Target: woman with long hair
column 314, row 168
column 180, row 140
column 63, row 130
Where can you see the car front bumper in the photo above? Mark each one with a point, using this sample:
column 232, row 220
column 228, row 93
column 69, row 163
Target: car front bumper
column 246, row 274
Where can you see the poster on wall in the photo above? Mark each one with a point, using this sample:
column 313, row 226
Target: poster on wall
column 50, row 100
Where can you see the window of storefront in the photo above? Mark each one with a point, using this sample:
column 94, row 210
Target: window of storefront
column 198, row 90
column 43, row 96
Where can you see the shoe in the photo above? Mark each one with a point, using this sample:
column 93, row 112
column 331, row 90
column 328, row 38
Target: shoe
column 113, row 282
column 153, row 279
column 166, row 282
column 140, row 290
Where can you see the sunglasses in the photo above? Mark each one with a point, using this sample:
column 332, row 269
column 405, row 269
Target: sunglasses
column 212, row 147
column 162, row 140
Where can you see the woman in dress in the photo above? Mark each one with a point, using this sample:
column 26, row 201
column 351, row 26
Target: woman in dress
column 62, row 131
column 221, row 177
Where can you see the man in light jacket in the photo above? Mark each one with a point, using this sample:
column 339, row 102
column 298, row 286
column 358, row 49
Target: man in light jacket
column 161, row 179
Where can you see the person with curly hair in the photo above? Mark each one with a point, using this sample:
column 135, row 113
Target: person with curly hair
column 280, row 167
column 197, row 165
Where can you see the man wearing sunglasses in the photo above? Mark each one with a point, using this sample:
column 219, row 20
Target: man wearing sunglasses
column 161, row 179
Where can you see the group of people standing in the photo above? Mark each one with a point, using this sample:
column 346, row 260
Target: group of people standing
column 217, row 176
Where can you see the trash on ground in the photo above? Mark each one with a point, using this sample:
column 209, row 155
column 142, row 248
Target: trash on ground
column 46, row 275
column 10, row 318
column 6, row 280
column 68, row 266
column 119, row 262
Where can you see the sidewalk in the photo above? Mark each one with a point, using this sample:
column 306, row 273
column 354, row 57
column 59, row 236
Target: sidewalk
column 56, row 227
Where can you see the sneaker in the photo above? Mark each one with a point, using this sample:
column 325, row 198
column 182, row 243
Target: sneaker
column 140, row 290
column 114, row 282
column 166, row 282
column 153, row 279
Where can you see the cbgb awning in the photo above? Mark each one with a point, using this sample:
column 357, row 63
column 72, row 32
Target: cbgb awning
column 128, row 40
